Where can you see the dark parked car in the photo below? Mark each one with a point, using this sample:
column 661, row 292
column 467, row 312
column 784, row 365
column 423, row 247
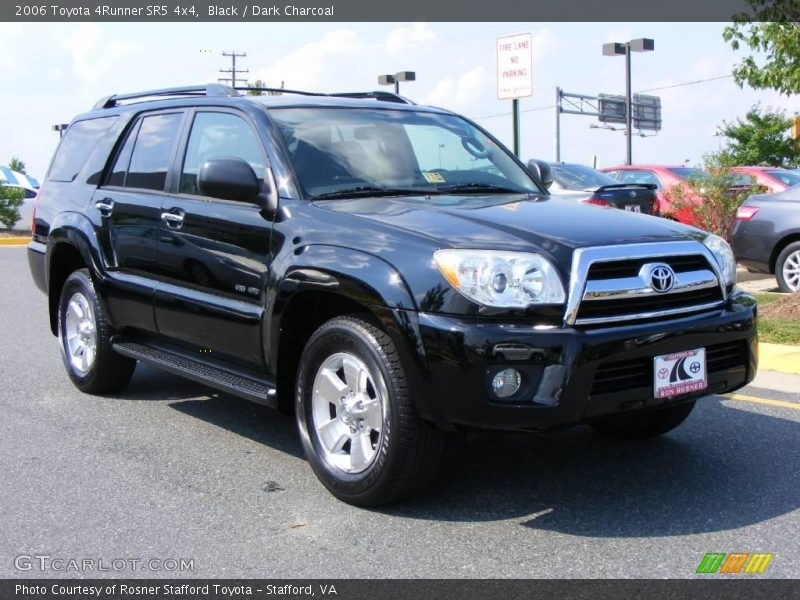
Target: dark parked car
column 766, row 237
column 384, row 271
column 585, row 184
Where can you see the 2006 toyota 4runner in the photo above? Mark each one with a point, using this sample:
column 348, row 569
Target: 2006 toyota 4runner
column 385, row 271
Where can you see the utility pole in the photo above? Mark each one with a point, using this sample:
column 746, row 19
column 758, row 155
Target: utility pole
column 233, row 70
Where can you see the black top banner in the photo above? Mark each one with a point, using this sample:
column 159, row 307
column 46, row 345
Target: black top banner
column 160, row 11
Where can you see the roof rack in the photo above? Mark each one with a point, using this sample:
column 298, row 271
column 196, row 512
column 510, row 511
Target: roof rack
column 218, row 90
column 212, row 89
column 377, row 95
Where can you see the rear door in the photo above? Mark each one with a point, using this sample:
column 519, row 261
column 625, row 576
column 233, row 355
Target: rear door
column 214, row 254
column 128, row 207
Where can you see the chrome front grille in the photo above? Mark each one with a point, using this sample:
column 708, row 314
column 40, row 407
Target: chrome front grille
column 615, row 284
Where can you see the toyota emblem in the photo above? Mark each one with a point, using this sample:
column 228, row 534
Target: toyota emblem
column 632, row 194
column 662, row 278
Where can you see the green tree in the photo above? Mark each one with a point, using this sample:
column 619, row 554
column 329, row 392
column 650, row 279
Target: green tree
column 15, row 164
column 712, row 197
column 263, row 84
column 772, row 32
column 761, row 138
column 11, row 198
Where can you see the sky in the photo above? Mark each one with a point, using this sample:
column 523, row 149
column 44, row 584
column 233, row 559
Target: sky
column 53, row 71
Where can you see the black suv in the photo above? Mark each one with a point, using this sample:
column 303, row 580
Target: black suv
column 385, row 271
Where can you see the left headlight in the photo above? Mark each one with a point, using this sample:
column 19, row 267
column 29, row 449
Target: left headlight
column 724, row 255
column 501, row 279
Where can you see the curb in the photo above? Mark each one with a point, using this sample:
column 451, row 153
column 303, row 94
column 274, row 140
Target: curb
column 15, row 241
column 779, row 357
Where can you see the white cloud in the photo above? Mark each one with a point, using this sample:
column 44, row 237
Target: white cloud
column 311, row 65
column 461, row 91
column 408, row 38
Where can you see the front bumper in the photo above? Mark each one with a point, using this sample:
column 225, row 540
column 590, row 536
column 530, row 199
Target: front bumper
column 572, row 375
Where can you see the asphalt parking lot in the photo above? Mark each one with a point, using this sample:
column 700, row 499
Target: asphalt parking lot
column 169, row 469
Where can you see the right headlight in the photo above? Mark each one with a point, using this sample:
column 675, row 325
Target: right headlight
column 501, row 279
column 724, row 255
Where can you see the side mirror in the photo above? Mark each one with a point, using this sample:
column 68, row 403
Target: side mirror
column 542, row 171
column 229, row 179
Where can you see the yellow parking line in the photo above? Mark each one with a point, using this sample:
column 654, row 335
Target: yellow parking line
column 12, row 241
column 780, row 403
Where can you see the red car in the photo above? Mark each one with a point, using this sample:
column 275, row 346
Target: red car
column 664, row 178
column 773, row 179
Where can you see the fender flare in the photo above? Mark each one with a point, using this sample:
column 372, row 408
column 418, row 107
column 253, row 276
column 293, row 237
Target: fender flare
column 370, row 281
column 75, row 230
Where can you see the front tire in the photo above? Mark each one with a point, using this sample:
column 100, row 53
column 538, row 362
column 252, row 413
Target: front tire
column 644, row 425
column 787, row 268
column 358, row 426
column 85, row 338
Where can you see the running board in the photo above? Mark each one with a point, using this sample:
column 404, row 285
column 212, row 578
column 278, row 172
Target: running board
column 213, row 375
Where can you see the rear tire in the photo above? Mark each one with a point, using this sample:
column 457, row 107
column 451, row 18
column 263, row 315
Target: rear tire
column 787, row 268
column 644, row 425
column 85, row 338
column 357, row 422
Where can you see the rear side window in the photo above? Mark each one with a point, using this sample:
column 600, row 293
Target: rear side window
column 120, row 168
column 152, row 152
column 77, row 145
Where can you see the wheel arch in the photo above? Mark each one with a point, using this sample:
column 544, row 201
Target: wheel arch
column 787, row 239
column 328, row 282
column 71, row 245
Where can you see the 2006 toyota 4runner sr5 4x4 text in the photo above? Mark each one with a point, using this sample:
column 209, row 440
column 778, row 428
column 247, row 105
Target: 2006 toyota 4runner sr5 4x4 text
column 384, row 271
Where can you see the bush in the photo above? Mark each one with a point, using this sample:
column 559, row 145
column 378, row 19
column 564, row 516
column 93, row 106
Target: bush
column 11, row 198
column 720, row 191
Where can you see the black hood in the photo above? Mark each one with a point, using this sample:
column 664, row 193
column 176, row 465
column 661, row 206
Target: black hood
column 512, row 222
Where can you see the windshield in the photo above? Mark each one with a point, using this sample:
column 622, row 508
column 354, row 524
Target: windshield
column 579, row 177
column 790, row 178
column 344, row 152
column 688, row 173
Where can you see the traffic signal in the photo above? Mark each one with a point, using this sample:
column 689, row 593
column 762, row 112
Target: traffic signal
column 796, row 128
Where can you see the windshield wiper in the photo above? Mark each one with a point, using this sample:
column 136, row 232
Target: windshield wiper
column 370, row 190
column 479, row 188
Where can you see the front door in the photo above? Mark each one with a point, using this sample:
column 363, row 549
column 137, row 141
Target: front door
column 214, row 254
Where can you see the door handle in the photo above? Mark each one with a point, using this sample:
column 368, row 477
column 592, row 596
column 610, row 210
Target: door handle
column 173, row 219
column 105, row 206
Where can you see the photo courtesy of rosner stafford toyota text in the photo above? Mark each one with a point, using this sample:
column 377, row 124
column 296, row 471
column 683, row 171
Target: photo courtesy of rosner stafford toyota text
column 399, row 300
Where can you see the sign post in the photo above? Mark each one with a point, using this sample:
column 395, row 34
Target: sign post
column 515, row 75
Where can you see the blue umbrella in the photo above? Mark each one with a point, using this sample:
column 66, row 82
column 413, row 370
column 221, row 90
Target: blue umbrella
column 9, row 177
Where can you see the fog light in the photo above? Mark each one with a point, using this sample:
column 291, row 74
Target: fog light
column 506, row 383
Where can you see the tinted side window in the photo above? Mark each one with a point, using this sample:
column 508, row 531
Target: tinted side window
column 218, row 135
column 77, row 145
column 120, row 168
column 152, row 153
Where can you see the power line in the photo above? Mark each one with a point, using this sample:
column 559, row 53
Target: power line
column 233, row 70
column 505, row 114
column 669, row 87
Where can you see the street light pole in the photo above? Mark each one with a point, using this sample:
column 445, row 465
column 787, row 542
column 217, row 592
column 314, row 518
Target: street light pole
column 628, row 107
column 396, row 79
column 625, row 49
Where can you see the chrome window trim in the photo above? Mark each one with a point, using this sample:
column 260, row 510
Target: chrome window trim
column 584, row 258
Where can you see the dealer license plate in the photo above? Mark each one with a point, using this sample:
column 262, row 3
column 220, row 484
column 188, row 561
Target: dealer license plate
column 679, row 373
